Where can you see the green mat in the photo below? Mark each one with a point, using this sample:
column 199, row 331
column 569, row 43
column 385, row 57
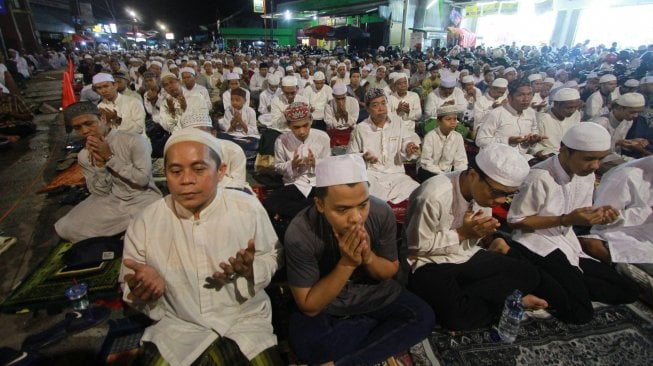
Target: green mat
column 44, row 288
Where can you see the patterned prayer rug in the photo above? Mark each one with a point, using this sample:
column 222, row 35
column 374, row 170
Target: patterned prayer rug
column 618, row 335
column 44, row 288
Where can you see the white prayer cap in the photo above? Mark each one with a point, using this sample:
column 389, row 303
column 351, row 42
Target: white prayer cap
column 238, row 70
column 464, row 72
column 455, row 62
column 549, row 81
column 232, row 76
column 570, row 84
column 607, row 78
column 157, row 63
column 318, row 76
column 647, row 80
column 177, row 62
column 290, row 68
column 510, row 69
column 289, row 81
column 503, row 163
column 448, row 82
column 134, row 59
column 173, row 66
column 631, row 83
column 566, row 94
column 448, row 109
column 192, row 63
column 273, row 79
column 219, row 61
column 339, row 89
column 196, row 135
column 587, row 136
column 168, row 75
column 102, row 77
column 500, row 83
column 398, row 76
column 468, row 79
column 392, row 75
column 275, row 61
column 631, row 100
column 187, row 69
column 196, row 119
column 534, row 77
column 207, row 62
column 88, row 57
column 592, row 75
column 341, row 169
column 252, row 62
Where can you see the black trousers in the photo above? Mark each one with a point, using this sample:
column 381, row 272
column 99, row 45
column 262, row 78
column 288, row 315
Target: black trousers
column 570, row 290
column 423, row 174
column 471, row 295
column 287, row 201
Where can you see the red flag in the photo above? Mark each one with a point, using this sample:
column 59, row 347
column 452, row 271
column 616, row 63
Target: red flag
column 67, row 94
column 71, row 68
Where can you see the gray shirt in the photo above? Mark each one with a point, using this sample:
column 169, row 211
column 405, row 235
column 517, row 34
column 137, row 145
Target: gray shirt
column 308, row 258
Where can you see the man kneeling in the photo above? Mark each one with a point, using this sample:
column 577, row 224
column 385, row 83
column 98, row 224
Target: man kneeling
column 341, row 255
column 197, row 261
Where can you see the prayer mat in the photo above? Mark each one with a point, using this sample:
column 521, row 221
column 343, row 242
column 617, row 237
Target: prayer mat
column 617, row 335
column 44, row 288
column 120, row 346
column 72, row 176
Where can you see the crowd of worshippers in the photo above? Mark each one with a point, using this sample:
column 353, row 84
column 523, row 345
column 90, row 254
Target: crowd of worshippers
column 197, row 261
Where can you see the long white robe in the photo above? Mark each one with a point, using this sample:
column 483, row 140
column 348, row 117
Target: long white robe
column 441, row 154
column 185, row 251
column 549, row 126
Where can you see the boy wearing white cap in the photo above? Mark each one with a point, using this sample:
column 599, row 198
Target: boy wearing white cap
column 452, row 71
column 197, row 261
column 598, row 103
column 295, row 154
column 233, row 82
column 341, row 256
column 118, row 169
column 448, row 217
column 513, row 123
column 341, row 112
column 116, row 110
column 406, row 104
column 556, row 195
column 443, row 149
column 341, row 76
column 385, row 143
column 553, row 124
column 619, row 121
column 265, row 98
column 493, row 98
column 319, row 94
column 446, row 94
column 288, row 96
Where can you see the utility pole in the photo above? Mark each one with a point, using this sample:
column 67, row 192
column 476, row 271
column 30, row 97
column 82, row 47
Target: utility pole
column 403, row 25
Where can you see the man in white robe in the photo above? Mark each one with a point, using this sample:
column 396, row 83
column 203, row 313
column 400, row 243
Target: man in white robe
column 341, row 112
column 446, row 94
column 406, row 104
column 197, row 263
column 118, row 171
column 554, row 123
column 599, row 102
column 118, row 111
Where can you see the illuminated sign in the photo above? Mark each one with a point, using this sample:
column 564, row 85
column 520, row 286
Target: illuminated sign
column 170, row 36
column 259, row 6
column 105, row 28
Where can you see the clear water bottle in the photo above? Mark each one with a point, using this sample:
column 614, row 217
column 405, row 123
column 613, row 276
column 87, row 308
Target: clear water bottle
column 77, row 296
column 513, row 310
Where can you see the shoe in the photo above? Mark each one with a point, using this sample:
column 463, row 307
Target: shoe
column 11, row 357
column 73, row 322
column 6, row 242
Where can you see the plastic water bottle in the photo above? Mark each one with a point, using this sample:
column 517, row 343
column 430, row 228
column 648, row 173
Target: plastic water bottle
column 513, row 310
column 77, row 296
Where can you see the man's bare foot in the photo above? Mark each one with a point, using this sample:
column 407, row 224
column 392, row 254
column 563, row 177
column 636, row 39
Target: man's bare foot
column 532, row 302
column 499, row 245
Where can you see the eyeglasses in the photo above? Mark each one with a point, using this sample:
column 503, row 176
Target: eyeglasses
column 498, row 193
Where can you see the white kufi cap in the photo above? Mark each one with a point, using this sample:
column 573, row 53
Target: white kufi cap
column 503, row 163
column 341, row 169
column 102, row 77
column 631, row 100
column 587, row 136
column 289, row 81
column 196, row 135
column 448, row 82
column 566, row 94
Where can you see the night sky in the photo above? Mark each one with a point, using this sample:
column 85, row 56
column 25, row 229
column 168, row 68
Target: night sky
column 183, row 17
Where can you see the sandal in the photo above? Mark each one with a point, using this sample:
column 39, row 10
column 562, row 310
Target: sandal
column 6, row 242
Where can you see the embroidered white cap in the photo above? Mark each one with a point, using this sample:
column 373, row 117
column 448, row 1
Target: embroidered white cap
column 341, row 169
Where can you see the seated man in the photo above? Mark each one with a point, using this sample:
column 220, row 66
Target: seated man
column 447, row 218
column 443, row 149
column 556, row 195
column 341, row 256
column 341, row 111
column 556, row 121
column 385, row 142
column 118, row 111
column 118, row 171
column 447, row 93
column 177, row 103
column 197, row 261
column 318, row 95
column 295, row 154
column 15, row 116
column 405, row 103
